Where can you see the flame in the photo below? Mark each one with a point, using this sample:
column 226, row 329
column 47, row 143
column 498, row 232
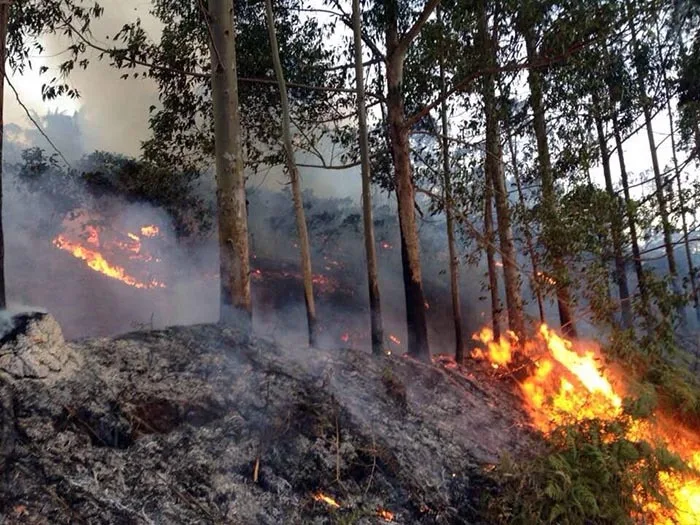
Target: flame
column 106, row 250
column 98, row 263
column 320, row 496
column 150, row 230
column 394, row 339
column 499, row 352
column 386, row 515
column 345, row 337
column 568, row 385
column 386, row 245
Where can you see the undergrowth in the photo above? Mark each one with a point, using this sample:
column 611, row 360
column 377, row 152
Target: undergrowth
column 590, row 474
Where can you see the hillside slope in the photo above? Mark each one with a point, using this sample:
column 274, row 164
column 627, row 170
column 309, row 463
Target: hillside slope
column 202, row 425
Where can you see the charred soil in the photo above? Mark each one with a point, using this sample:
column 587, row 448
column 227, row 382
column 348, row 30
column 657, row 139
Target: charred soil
column 203, row 425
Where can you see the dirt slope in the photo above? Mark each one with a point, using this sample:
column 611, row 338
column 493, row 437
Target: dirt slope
column 202, row 425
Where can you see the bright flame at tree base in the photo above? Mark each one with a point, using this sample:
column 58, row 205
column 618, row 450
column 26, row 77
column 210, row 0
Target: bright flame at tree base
column 568, row 386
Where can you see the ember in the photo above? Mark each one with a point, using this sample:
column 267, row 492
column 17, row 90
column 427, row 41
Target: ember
column 386, row 515
column 320, row 496
column 394, row 339
column 150, row 230
column 568, row 386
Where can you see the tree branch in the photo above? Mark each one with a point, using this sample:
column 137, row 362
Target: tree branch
column 413, row 32
column 410, row 121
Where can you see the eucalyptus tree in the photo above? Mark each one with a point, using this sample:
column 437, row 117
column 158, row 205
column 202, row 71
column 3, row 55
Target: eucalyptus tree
column 642, row 59
column 234, row 259
column 294, row 179
column 186, row 63
column 529, row 25
column 494, row 169
column 375, row 310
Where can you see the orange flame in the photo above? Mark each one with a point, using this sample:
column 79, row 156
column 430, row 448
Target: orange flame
column 150, row 230
column 499, row 352
column 103, row 249
column 568, row 386
column 320, row 496
column 394, row 339
column 98, row 263
column 386, row 515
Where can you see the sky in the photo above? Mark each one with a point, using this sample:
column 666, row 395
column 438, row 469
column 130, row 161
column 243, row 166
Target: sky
column 112, row 113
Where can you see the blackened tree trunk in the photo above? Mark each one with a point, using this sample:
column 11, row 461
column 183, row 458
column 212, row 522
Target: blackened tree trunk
column 449, row 215
column 375, row 310
column 396, row 49
column 234, row 261
column 616, row 226
column 491, row 257
column 526, row 231
column 549, row 203
column 294, row 178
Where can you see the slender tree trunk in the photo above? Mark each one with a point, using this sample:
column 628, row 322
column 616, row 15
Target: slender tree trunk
column 631, row 220
column 294, row 179
column 493, row 168
column 447, row 186
column 4, row 20
column 549, row 203
column 681, row 200
column 375, row 310
column 660, row 197
column 491, row 257
column 416, row 321
column 526, row 230
column 616, row 226
column 234, row 260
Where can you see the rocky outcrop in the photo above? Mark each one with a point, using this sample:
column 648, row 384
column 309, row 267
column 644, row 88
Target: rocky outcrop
column 202, row 425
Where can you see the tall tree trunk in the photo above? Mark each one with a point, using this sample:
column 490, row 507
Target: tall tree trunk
column 447, row 186
column 493, row 169
column 526, row 230
column 549, row 203
column 631, row 220
column 234, row 260
column 660, row 197
column 616, row 226
column 681, row 202
column 511, row 275
column 375, row 310
column 416, row 321
column 491, row 257
column 295, row 181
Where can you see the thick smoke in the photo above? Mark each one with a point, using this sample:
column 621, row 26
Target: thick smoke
column 87, row 303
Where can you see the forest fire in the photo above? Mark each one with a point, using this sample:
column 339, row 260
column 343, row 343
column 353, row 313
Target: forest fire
column 386, row 515
column 568, row 386
column 320, row 496
column 107, row 251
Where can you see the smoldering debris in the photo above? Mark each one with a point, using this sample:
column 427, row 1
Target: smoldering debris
column 201, row 425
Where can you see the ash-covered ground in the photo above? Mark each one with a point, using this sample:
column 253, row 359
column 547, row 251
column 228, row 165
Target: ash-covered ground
column 203, row 425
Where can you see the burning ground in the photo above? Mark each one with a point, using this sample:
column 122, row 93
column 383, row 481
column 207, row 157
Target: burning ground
column 201, row 425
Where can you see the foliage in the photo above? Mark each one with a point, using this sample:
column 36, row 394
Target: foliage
column 589, row 473
column 103, row 174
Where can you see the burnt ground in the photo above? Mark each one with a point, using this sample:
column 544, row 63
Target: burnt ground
column 204, row 425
